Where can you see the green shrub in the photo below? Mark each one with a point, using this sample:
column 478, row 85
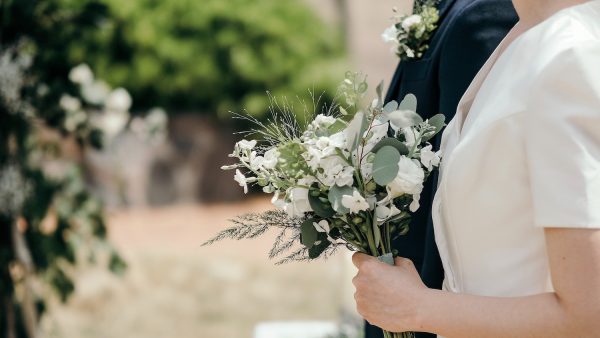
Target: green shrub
column 212, row 55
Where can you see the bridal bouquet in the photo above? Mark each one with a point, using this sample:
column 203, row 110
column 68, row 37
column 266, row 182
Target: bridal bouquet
column 351, row 177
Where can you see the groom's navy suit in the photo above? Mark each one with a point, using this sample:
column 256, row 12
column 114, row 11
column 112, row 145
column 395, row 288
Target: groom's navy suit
column 468, row 33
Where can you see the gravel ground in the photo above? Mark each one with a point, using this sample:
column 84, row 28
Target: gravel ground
column 175, row 288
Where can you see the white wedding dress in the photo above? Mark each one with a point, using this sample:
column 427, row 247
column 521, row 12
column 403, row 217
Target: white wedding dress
column 522, row 153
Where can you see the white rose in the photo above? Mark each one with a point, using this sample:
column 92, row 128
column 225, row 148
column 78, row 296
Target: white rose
column 81, row 74
column 410, row 21
column 409, row 179
column 390, row 34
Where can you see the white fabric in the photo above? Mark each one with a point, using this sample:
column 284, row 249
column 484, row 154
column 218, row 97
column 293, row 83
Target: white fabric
column 299, row 329
column 522, row 153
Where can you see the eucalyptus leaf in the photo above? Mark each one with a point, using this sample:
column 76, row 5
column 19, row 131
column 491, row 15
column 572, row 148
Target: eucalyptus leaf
column 404, row 118
column 438, row 123
column 393, row 142
column 320, row 205
column 379, row 91
column 335, row 198
column 309, row 234
column 385, row 165
column 409, row 103
column 321, row 244
column 355, row 130
column 337, row 126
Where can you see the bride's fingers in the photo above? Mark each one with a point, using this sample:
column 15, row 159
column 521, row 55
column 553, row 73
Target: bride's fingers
column 404, row 262
column 358, row 258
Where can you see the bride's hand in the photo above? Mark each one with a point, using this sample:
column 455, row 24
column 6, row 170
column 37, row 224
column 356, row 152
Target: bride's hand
column 388, row 296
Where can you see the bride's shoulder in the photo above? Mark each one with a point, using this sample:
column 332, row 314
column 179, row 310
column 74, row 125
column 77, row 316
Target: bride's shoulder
column 569, row 39
column 574, row 29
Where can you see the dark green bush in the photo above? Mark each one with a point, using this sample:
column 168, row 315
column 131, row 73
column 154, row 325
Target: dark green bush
column 212, row 55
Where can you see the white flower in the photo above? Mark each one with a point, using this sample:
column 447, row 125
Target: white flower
column 246, row 145
column 241, row 179
column 156, row 118
column 322, row 226
column 69, row 103
column 429, row 158
column 74, row 119
column 299, row 204
column 410, row 53
column 409, row 179
column 95, row 92
column 323, row 121
column 390, row 34
column 271, row 157
column 409, row 136
column 81, row 74
column 111, row 123
column 383, row 212
column 118, row 100
column 410, row 21
column 336, row 172
column 355, row 202
column 414, row 205
column 378, row 131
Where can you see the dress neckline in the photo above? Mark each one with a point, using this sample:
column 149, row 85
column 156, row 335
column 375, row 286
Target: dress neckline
column 464, row 106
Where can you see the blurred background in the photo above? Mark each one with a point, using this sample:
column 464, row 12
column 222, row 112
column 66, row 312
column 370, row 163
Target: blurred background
column 115, row 118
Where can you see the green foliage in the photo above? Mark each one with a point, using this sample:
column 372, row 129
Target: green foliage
column 213, row 56
column 57, row 222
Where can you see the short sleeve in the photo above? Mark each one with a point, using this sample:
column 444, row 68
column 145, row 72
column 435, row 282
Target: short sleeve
column 562, row 139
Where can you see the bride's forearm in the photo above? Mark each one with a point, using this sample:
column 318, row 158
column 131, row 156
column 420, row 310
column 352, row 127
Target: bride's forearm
column 460, row 315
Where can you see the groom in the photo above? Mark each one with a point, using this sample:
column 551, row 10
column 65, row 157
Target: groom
column 467, row 34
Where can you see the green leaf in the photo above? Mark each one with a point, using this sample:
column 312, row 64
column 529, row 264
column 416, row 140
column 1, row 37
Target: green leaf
column 355, row 130
column 393, row 142
column 409, row 103
column 322, row 244
column 379, row 91
column 385, row 165
column 337, row 126
column 404, row 118
column 335, row 198
column 309, row 234
column 376, row 232
column 438, row 123
column 320, row 204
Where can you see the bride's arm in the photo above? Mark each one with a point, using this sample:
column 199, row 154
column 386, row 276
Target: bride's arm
column 395, row 299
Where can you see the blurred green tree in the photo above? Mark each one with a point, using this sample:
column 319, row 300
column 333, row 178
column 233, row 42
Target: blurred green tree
column 214, row 56
column 48, row 220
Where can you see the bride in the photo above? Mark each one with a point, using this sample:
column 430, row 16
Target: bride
column 517, row 212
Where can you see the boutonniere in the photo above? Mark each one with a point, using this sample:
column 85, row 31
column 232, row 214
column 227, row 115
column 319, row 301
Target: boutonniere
column 411, row 33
